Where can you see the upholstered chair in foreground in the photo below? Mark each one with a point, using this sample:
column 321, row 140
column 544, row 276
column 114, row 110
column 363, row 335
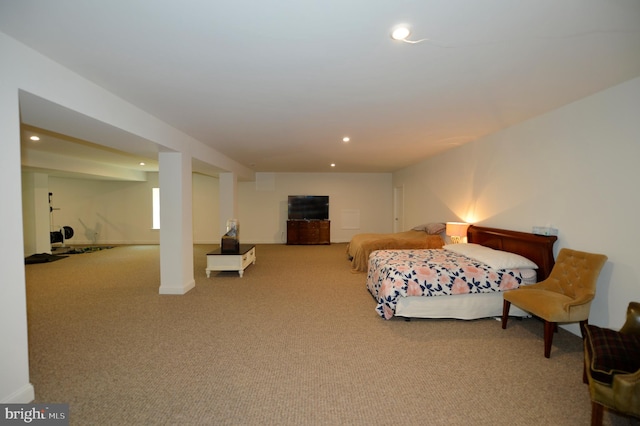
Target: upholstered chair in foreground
column 565, row 296
column 612, row 366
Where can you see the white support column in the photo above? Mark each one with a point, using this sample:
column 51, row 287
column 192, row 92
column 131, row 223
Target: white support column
column 228, row 200
column 35, row 213
column 14, row 350
column 176, row 223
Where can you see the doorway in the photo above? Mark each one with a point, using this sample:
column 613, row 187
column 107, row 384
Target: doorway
column 398, row 208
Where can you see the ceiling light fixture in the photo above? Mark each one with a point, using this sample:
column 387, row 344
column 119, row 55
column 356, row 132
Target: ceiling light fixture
column 34, row 138
column 333, row 164
column 401, row 32
column 346, row 139
column 142, row 163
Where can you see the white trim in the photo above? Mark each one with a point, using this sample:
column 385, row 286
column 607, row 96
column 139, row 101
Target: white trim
column 23, row 395
column 178, row 290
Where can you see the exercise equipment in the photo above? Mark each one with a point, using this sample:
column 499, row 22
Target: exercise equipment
column 62, row 234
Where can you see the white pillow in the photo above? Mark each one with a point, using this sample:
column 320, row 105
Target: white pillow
column 529, row 276
column 497, row 259
column 431, row 228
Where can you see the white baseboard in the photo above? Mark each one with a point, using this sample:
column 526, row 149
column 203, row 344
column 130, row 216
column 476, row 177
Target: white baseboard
column 178, row 290
column 24, row 395
column 74, row 242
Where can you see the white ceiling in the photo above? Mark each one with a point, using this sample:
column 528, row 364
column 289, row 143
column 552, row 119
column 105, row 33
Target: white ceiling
column 275, row 85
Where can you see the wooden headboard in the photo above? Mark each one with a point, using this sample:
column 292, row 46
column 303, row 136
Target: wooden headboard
column 538, row 248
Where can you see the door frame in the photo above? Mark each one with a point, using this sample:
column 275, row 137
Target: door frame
column 398, row 208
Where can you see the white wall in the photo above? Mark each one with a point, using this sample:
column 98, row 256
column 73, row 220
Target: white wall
column 14, row 362
column 263, row 207
column 575, row 168
column 119, row 212
column 39, row 219
column 103, row 211
column 205, row 209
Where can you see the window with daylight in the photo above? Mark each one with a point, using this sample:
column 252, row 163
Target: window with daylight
column 155, row 192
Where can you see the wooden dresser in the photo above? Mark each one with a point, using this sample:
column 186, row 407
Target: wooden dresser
column 308, row 232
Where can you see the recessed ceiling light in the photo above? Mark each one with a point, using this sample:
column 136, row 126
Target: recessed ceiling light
column 333, row 164
column 401, row 32
column 142, row 163
column 346, row 139
column 34, row 138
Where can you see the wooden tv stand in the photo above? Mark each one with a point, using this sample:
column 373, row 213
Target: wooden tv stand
column 308, row 232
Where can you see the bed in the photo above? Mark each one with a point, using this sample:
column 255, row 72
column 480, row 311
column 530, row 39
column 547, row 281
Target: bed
column 421, row 237
column 438, row 284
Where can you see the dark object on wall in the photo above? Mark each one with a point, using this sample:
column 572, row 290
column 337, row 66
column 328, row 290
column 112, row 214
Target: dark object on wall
column 64, row 233
column 308, row 207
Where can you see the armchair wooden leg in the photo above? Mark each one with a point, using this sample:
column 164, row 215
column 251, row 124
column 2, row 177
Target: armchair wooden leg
column 549, row 329
column 583, row 324
column 596, row 414
column 506, row 305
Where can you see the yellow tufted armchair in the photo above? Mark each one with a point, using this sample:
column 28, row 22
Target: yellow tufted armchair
column 565, row 296
column 612, row 366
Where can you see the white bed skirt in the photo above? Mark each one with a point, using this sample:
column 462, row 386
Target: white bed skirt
column 460, row 306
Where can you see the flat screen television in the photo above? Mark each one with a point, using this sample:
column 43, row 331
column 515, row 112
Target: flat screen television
column 308, row 207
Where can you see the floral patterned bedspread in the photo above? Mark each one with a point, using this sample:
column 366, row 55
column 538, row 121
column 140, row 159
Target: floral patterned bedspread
column 401, row 273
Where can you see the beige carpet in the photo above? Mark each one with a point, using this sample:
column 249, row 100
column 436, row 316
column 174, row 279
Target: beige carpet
column 296, row 341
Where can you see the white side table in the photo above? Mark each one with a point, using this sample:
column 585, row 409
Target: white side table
column 218, row 261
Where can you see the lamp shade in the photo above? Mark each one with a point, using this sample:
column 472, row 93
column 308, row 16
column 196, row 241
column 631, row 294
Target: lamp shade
column 457, row 229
